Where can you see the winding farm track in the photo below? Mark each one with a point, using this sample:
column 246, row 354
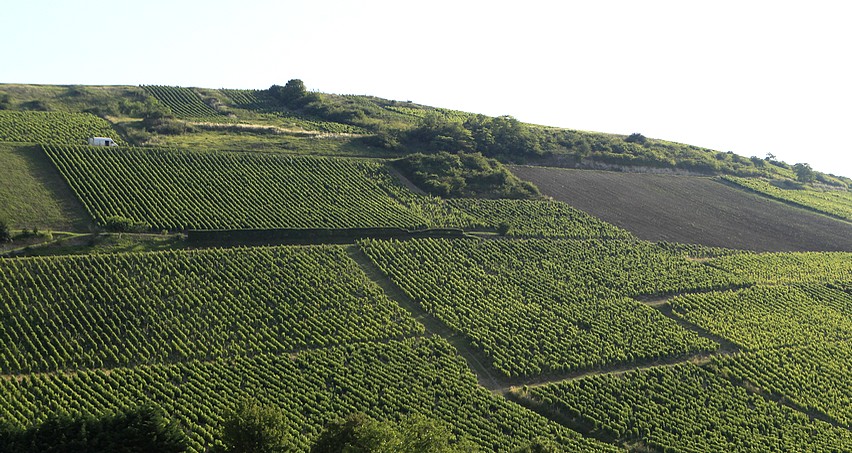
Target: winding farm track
column 691, row 209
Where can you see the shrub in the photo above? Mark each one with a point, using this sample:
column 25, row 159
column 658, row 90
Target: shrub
column 118, row 224
column 5, row 235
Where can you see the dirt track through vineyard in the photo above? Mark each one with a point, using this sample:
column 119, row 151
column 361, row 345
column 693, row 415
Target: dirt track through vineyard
column 691, row 209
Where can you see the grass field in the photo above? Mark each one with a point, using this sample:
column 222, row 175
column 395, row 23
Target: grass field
column 33, row 195
column 690, row 209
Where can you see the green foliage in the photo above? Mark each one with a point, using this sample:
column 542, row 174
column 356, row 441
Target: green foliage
column 804, row 173
column 415, row 376
column 813, row 377
column 503, row 137
column 173, row 190
column 138, row 430
column 5, row 234
column 837, row 203
column 182, row 102
column 118, row 224
column 255, row 428
column 464, row 175
column 52, row 127
column 636, row 138
column 761, row 317
column 142, row 308
column 685, row 408
column 537, row 218
column 538, row 306
column 293, row 94
column 414, row 434
column 799, row 267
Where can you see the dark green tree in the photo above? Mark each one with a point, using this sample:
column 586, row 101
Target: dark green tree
column 636, row 138
column 804, row 173
column 141, row 430
column 255, row 428
column 5, row 234
column 293, row 94
column 359, row 433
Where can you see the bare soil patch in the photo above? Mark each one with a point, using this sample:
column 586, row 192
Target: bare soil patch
column 690, row 209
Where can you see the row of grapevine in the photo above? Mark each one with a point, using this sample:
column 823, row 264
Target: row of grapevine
column 814, row 267
column 74, row 312
column 834, row 202
column 771, row 316
column 815, row 377
column 423, row 376
column 539, row 218
column 52, row 127
column 183, row 102
column 686, row 408
column 170, row 189
column 535, row 306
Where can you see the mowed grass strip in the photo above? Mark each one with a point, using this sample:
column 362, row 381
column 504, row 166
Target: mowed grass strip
column 32, row 193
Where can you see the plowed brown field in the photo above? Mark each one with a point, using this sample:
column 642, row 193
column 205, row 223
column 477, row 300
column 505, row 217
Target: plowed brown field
column 690, row 209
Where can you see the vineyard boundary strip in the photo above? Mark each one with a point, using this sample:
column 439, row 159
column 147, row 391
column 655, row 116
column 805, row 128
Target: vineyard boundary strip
column 493, row 380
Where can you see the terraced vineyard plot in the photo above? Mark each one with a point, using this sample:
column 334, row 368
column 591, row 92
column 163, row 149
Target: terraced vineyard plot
column 771, row 316
column 422, row 376
column 833, row 202
column 538, row 306
column 183, row 102
column 53, row 127
column 534, row 218
column 179, row 190
column 814, row 377
column 685, row 408
column 61, row 313
column 806, row 267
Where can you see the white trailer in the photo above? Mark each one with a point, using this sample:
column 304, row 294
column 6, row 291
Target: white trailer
column 102, row 141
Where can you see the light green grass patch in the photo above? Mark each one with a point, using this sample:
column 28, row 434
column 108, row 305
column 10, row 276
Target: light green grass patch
column 32, row 195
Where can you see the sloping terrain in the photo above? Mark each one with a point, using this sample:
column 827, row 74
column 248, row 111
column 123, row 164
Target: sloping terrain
column 32, row 193
column 690, row 209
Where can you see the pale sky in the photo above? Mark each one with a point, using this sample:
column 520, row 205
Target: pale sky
column 753, row 77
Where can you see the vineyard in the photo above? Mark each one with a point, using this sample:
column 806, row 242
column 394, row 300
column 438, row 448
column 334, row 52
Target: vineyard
column 61, row 313
column 771, row 316
column 536, row 218
column 779, row 268
column 52, row 127
column 179, row 190
column 814, row 377
column 685, row 408
column 182, row 102
column 837, row 203
column 384, row 380
column 516, row 325
column 539, row 306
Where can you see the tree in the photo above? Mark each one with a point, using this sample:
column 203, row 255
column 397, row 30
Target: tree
column 413, row 434
column 293, row 94
column 636, row 138
column 5, row 235
column 804, row 173
column 254, row 428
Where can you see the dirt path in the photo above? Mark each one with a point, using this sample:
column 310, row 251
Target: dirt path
column 500, row 384
column 475, row 359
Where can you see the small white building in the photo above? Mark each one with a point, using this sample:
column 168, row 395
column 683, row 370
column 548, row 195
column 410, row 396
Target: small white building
column 102, row 141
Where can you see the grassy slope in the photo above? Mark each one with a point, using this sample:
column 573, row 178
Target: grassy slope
column 692, row 210
column 33, row 194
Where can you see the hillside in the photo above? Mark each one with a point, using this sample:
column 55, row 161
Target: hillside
column 304, row 269
column 691, row 209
